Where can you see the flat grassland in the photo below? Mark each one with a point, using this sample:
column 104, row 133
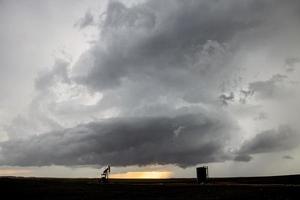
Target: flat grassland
column 279, row 187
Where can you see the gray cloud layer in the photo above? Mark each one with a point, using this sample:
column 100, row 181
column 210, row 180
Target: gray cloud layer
column 173, row 43
column 282, row 139
column 183, row 140
column 269, row 88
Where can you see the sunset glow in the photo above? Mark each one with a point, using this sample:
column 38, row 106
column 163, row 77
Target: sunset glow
column 149, row 175
column 14, row 172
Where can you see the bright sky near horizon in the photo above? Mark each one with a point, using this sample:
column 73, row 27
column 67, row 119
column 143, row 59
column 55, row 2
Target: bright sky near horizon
column 153, row 88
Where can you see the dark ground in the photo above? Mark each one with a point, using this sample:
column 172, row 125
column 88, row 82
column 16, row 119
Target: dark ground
column 281, row 187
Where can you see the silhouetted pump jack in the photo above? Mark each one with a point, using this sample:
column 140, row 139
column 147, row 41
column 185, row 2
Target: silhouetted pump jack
column 104, row 175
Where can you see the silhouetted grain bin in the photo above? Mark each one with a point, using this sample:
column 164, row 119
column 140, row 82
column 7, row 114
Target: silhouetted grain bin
column 202, row 174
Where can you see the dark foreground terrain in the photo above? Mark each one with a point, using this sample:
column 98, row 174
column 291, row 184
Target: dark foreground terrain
column 281, row 187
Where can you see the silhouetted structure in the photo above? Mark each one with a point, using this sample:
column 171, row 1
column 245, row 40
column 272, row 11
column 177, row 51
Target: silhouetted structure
column 202, row 174
column 104, row 175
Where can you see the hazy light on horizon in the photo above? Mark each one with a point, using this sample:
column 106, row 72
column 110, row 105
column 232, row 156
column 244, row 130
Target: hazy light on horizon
column 143, row 175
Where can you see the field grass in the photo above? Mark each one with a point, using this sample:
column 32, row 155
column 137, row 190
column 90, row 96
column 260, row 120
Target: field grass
column 281, row 187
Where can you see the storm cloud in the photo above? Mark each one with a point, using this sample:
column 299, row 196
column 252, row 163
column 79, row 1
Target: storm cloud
column 127, row 141
column 282, row 139
column 270, row 88
column 152, row 85
column 173, row 43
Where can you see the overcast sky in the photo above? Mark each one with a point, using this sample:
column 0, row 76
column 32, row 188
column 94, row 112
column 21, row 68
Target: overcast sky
column 149, row 85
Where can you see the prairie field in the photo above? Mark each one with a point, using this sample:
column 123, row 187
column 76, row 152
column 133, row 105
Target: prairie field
column 280, row 187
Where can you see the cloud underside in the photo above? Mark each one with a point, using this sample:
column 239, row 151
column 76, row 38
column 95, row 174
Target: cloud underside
column 154, row 63
column 183, row 140
column 276, row 140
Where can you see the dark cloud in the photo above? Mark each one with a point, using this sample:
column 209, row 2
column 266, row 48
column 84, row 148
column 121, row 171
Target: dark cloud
column 243, row 158
column 269, row 88
column 161, row 41
column 282, row 139
column 244, row 95
column 226, row 98
column 287, row 157
column 290, row 63
column 85, row 21
column 183, row 140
